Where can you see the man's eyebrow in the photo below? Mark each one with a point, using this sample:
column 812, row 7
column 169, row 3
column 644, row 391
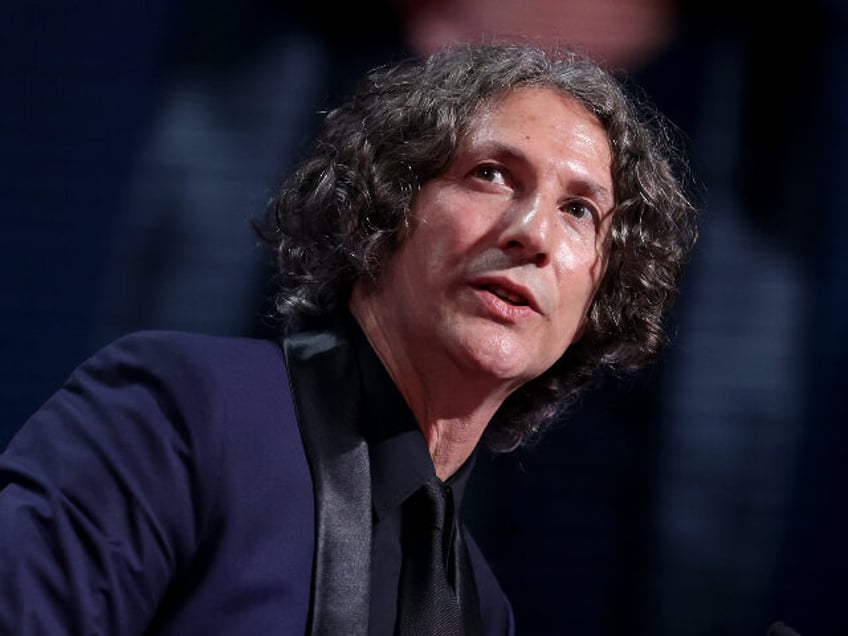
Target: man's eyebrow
column 499, row 149
column 593, row 190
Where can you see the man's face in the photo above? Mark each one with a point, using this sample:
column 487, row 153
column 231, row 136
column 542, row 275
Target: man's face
column 506, row 248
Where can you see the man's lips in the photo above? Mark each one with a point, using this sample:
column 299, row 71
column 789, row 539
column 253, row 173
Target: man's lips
column 508, row 291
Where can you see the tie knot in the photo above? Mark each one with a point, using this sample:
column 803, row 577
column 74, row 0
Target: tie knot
column 433, row 505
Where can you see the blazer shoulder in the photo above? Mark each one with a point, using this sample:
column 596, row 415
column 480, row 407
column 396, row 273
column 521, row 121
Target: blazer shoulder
column 192, row 346
column 210, row 365
column 230, row 388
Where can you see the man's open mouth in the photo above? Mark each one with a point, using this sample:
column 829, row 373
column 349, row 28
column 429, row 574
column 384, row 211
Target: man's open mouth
column 506, row 295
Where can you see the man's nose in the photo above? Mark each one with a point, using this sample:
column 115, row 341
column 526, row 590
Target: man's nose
column 528, row 228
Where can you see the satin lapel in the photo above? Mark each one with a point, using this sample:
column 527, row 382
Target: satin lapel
column 325, row 386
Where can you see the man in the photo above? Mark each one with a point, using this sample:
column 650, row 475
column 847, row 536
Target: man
column 472, row 239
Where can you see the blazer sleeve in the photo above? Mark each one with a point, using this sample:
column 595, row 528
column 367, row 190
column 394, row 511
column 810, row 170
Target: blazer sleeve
column 107, row 491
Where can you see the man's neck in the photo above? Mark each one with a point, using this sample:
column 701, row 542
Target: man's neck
column 449, row 408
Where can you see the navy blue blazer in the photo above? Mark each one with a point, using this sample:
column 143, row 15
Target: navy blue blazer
column 180, row 484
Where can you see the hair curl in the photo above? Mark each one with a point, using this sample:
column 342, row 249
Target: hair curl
column 343, row 212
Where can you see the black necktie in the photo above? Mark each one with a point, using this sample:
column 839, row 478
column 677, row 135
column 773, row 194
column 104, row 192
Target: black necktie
column 428, row 605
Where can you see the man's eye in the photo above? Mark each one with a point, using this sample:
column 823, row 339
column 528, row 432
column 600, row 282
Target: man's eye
column 490, row 173
column 578, row 209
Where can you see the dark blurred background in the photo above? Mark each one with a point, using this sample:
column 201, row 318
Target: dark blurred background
column 703, row 497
